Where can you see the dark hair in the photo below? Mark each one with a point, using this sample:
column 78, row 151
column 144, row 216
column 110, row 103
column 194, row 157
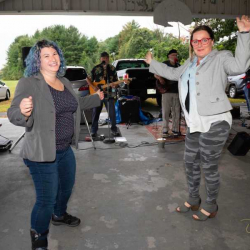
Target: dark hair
column 199, row 28
column 171, row 52
column 33, row 60
column 104, row 54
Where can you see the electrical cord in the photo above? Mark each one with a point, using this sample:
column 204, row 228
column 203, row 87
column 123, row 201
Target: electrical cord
column 126, row 145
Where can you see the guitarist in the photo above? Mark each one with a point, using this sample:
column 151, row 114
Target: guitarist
column 107, row 72
column 170, row 97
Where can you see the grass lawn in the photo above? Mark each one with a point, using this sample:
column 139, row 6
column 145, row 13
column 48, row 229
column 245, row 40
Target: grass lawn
column 4, row 105
column 235, row 100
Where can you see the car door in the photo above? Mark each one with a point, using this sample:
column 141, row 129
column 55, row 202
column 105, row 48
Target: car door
column 2, row 91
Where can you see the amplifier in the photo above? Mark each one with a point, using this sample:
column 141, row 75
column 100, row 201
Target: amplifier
column 235, row 112
column 129, row 109
column 240, row 144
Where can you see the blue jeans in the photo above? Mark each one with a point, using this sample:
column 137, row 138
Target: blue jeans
column 246, row 93
column 53, row 183
column 97, row 111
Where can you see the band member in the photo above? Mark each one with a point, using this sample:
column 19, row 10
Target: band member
column 170, row 97
column 107, row 72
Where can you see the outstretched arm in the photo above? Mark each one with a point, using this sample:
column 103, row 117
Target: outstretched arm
column 243, row 23
column 241, row 62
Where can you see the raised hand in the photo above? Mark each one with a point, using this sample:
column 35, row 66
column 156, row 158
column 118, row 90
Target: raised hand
column 149, row 57
column 243, row 23
column 26, row 106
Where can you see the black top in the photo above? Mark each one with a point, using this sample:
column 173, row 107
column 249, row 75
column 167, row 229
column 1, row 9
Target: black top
column 65, row 106
column 172, row 86
column 108, row 74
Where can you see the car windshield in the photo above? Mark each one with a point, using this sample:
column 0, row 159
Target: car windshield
column 131, row 64
column 75, row 74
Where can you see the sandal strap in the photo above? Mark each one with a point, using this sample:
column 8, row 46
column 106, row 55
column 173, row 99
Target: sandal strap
column 201, row 216
column 184, row 209
column 210, row 208
column 194, row 201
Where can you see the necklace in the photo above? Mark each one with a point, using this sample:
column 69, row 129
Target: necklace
column 56, row 84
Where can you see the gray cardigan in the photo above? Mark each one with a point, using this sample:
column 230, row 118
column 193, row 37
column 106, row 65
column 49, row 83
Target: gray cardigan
column 39, row 141
column 211, row 76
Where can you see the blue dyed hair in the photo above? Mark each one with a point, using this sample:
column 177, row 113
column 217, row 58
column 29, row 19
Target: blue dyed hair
column 33, row 60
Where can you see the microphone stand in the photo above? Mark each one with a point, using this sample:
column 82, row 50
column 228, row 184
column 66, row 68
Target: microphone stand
column 108, row 140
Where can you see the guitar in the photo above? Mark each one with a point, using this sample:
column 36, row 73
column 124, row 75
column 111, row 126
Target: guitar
column 102, row 85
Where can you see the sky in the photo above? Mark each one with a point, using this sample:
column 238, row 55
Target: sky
column 101, row 27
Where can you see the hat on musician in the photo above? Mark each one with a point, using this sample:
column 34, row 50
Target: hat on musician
column 172, row 51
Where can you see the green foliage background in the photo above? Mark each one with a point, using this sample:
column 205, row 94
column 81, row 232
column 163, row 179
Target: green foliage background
column 132, row 42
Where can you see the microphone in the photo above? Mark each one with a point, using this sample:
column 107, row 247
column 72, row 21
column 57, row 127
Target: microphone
column 103, row 63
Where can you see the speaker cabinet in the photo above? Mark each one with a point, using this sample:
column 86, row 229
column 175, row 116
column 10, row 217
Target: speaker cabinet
column 129, row 109
column 240, row 144
column 25, row 52
column 235, row 112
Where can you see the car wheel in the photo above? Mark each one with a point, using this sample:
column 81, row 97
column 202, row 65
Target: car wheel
column 232, row 91
column 7, row 95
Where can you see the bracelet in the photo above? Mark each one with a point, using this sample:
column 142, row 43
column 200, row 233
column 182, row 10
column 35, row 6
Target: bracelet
column 244, row 32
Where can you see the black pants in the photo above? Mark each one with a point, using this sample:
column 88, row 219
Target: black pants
column 110, row 106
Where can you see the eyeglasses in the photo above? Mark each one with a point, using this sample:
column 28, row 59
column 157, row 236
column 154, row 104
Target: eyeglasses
column 203, row 41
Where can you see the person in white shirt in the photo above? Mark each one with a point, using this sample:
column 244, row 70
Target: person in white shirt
column 202, row 82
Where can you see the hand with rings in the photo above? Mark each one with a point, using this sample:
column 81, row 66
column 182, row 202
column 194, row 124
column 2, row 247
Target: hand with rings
column 243, row 23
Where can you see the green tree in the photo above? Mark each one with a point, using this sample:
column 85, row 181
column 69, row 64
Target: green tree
column 139, row 43
column 111, row 45
column 69, row 40
column 168, row 42
column 92, row 46
column 14, row 67
column 127, row 32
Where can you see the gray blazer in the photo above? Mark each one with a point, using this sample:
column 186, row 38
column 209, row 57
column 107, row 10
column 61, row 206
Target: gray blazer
column 211, row 76
column 39, row 140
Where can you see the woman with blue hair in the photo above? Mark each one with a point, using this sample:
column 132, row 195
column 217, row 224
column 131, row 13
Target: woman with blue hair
column 46, row 105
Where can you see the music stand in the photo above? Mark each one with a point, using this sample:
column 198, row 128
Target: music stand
column 19, row 139
column 87, row 124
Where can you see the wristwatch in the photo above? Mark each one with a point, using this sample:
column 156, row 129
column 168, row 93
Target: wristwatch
column 244, row 32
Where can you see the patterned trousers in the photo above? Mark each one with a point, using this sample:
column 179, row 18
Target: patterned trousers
column 204, row 150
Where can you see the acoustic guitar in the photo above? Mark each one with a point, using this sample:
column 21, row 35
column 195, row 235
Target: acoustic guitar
column 102, row 85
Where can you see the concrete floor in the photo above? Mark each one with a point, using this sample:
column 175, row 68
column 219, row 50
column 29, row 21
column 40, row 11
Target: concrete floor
column 126, row 198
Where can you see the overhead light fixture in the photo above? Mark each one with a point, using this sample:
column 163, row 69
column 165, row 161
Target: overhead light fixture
column 172, row 11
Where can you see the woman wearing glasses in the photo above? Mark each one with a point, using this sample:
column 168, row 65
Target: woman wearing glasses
column 202, row 82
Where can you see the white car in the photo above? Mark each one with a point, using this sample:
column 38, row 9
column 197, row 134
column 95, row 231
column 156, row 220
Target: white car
column 77, row 76
column 122, row 65
column 4, row 91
